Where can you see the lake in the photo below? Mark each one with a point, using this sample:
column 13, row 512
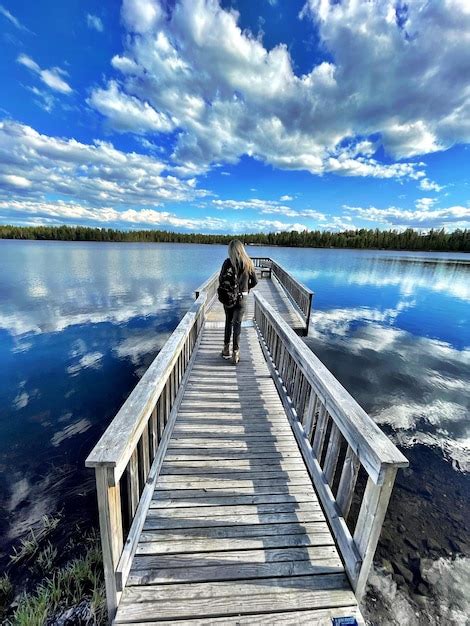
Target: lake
column 80, row 323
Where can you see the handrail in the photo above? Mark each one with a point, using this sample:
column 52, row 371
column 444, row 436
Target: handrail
column 133, row 447
column 209, row 287
column 336, row 437
column 300, row 295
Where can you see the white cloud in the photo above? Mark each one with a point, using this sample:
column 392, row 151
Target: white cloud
column 267, row 207
column 33, row 165
column 231, row 96
column 94, row 22
column 60, row 211
column 286, row 198
column 127, row 113
column 422, row 218
column 425, row 203
column 11, row 18
column 428, row 185
column 44, row 99
column 53, row 77
column 15, row 181
column 140, row 15
column 339, row 222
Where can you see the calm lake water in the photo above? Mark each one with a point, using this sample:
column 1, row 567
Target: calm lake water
column 80, row 323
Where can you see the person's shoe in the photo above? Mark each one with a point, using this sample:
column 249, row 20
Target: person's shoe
column 226, row 351
column 235, row 356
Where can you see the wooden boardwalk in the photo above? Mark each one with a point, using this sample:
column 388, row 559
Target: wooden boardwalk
column 234, row 528
column 224, row 490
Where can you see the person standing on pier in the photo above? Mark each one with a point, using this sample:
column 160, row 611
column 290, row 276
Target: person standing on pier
column 236, row 278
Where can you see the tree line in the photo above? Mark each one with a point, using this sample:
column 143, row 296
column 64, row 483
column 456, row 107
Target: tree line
column 363, row 238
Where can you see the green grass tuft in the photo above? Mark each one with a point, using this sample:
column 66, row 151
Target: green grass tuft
column 29, row 546
column 46, row 558
column 80, row 580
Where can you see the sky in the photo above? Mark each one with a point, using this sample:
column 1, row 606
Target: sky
column 235, row 115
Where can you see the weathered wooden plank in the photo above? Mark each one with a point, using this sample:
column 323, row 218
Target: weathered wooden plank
column 215, row 599
column 231, row 465
column 234, row 557
column 158, row 523
column 222, row 501
column 332, row 453
column 226, row 510
column 316, row 617
column 227, row 445
column 195, row 454
column 133, row 484
column 249, row 481
column 189, row 545
column 223, row 572
column 109, row 509
column 347, row 482
column 234, row 531
column 254, row 492
column 232, row 479
column 369, row 524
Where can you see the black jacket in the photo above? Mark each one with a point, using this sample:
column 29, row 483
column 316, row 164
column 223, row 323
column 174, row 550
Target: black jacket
column 246, row 280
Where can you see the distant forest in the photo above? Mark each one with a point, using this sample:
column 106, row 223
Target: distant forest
column 436, row 240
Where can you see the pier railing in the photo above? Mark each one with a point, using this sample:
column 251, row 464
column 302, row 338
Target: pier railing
column 128, row 457
column 209, row 287
column 337, row 438
column 300, row 295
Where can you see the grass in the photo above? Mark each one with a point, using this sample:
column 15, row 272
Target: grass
column 29, row 546
column 67, row 587
column 46, row 558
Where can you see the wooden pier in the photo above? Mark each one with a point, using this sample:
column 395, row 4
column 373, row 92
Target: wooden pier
column 248, row 494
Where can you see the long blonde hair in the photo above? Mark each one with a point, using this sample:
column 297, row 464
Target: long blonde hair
column 239, row 258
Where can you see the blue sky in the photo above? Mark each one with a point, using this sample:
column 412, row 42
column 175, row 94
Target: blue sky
column 235, row 116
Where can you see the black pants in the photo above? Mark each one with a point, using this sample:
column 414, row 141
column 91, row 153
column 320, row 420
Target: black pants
column 233, row 318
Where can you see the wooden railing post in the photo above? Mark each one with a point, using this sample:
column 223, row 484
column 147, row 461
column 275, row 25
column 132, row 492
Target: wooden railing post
column 369, row 523
column 109, row 508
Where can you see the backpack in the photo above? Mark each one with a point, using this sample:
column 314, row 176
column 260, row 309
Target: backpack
column 228, row 291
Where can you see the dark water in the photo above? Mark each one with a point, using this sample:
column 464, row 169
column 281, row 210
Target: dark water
column 80, row 322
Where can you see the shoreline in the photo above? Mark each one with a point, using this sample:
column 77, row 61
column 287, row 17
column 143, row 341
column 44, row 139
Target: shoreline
column 251, row 245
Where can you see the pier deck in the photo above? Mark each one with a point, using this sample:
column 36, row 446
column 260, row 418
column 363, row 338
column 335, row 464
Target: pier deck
column 224, row 490
column 234, row 528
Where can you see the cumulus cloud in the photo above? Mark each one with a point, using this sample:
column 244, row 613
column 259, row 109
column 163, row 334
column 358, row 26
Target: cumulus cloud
column 60, row 212
column 429, row 185
column 423, row 217
column 94, row 22
column 53, row 77
column 127, row 113
column 228, row 95
column 425, row 203
column 33, row 165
